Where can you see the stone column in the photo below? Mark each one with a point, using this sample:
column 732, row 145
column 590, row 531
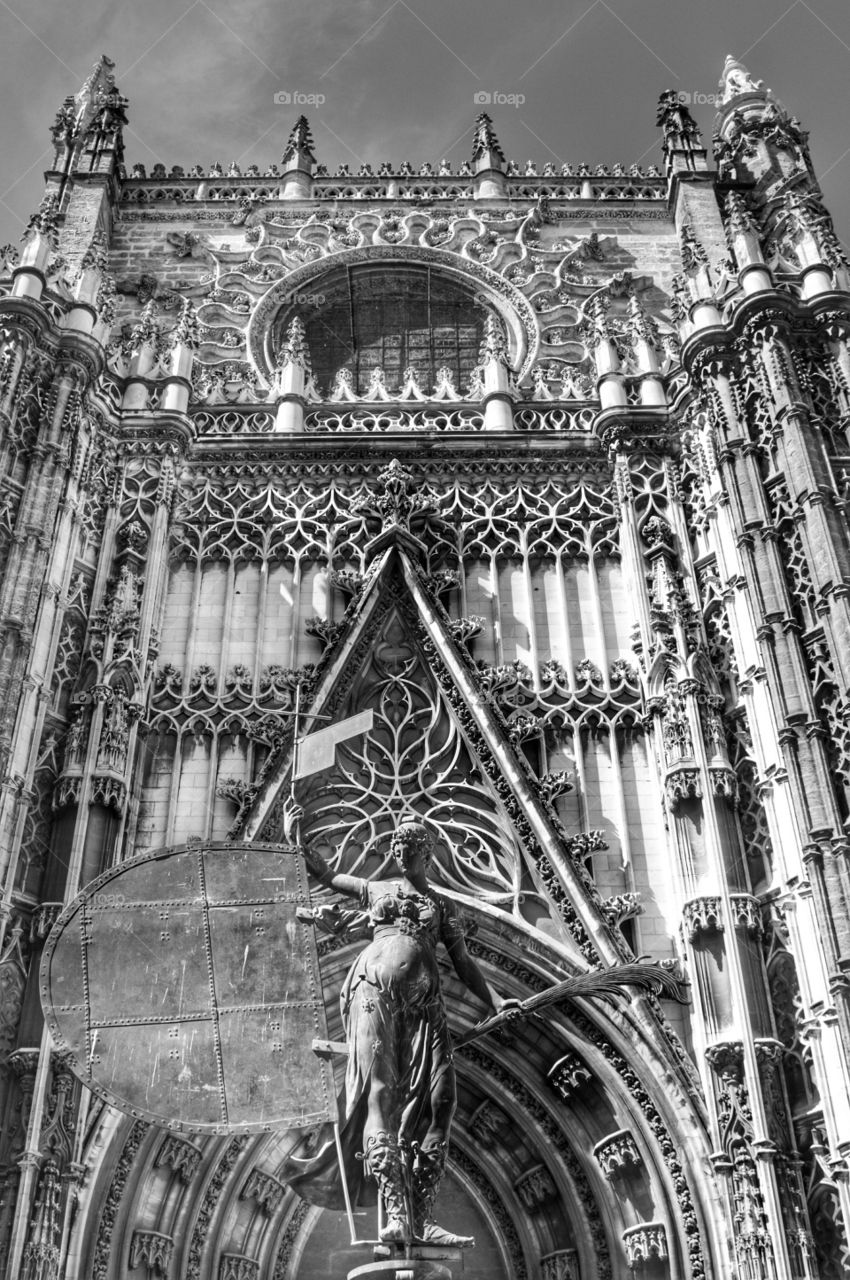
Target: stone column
column 497, row 399
column 599, row 337
column 292, row 374
column 719, row 914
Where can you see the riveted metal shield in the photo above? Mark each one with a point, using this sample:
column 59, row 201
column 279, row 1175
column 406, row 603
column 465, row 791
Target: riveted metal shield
column 186, row 991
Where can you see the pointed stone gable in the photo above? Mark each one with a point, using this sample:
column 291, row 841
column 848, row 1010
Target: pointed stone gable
column 439, row 748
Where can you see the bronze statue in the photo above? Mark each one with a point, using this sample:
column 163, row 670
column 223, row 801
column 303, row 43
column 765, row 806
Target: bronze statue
column 400, row 1082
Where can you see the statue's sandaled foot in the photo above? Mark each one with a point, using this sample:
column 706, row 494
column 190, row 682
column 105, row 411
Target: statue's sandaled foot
column 433, row 1233
column 394, row 1232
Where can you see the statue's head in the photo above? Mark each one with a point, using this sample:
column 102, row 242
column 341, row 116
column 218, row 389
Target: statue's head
column 412, row 839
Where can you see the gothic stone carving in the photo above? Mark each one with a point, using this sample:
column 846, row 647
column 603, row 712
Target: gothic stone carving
column 645, row 1243
column 236, row 1266
column 181, row 1155
column 702, row 915
column 561, row 1265
column 488, row 1123
column 617, row 1153
column 151, row 1249
column 536, row 1187
column 265, row 1189
column 568, row 1075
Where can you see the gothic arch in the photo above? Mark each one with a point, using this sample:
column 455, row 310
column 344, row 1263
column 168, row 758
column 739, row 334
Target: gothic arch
column 578, row 1128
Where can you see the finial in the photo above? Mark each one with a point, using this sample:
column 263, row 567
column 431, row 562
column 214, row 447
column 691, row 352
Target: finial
column 187, row 330
column 146, row 330
column 493, row 344
column 640, row 326
column 736, row 82
column 485, row 144
column 300, row 143
column 295, row 349
column 593, row 327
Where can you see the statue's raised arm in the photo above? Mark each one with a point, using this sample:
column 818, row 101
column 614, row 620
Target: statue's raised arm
column 351, row 886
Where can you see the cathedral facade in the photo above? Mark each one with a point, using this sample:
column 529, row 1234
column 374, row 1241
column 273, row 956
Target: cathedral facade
column 546, row 468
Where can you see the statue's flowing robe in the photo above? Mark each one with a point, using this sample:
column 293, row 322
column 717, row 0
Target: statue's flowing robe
column 396, row 1030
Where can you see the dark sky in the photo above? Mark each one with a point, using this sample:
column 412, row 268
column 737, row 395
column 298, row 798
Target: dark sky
column 399, row 78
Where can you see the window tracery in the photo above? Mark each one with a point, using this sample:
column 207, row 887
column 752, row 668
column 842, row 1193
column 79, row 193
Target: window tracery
column 393, row 319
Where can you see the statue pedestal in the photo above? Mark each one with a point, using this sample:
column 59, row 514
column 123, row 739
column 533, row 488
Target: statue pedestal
column 425, row 1262
column 401, row 1269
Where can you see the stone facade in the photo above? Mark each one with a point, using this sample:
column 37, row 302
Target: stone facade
column 548, row 469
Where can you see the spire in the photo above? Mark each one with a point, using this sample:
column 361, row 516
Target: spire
column 755, row 140
column 101, row 112
column 486, row 152
column 297, row 162
column 299, row 147
column 736, row 82
column 91, row 121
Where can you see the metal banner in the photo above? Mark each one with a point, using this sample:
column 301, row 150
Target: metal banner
column 187, row 992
